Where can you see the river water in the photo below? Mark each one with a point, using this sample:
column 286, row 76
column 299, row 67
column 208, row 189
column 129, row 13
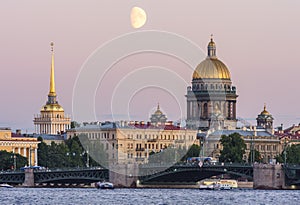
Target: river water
column 146, row 196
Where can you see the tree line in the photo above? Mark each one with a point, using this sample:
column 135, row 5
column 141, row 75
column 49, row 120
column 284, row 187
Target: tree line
column 69, row 154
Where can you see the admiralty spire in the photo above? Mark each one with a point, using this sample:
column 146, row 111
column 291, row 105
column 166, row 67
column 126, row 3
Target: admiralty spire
column 52, row 118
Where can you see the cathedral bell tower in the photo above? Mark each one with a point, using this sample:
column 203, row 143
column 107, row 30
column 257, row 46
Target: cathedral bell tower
column 265, row 119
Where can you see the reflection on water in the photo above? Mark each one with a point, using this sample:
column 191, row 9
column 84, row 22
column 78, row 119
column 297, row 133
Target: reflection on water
column 146, row 196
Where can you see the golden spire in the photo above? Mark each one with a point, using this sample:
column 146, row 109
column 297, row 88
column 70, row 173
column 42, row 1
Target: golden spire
column 52, row 82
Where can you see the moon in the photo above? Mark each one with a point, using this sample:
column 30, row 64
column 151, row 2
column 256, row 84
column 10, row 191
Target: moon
column 138, row 17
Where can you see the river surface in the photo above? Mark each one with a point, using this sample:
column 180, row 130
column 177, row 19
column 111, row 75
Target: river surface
column 146, row 196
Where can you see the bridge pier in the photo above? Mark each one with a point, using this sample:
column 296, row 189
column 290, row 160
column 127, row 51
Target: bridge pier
column 29, row 178
column 268, row 176
column 126, row 175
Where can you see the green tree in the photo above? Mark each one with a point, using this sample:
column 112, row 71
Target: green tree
column 256, row 154
column 279, row 158
column 7, row 160
column 292, row 154
column 168, row 155
column 57, row 155
column 233, row 148
column 42, row 153
column 74, row 124
column 193, row 151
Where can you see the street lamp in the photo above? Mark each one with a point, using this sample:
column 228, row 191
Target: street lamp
column 87, row 157
column 69, row 154
column 15, row 161
column 284, row 151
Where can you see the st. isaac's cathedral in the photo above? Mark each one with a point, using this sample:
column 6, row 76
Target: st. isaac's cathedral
column 211, row 101
column 211, row 109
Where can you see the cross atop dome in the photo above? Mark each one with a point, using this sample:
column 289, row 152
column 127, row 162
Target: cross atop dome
column 211, row 48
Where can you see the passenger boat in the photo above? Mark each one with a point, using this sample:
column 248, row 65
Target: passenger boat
column 219, row 184
column 104, row 185
column 225, row 187
column 6, row 186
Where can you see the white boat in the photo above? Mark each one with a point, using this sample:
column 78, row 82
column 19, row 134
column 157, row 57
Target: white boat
column 6, row 186
column 225, row 187
column 219, row 184
column 207, row 187
column 104, row 185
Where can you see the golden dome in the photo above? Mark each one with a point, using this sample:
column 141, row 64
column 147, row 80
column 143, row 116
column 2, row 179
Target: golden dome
column 211, row 68
column 158, row 112
column 265, row 112
column 52, row 107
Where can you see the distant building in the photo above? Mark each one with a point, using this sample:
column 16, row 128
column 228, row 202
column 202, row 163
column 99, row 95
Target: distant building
column 19, row 144
column 48, row 139
column 289, row 136
column 265, row 119
column 52, row 119
column 260, row 138
column 133, row 142
column 211, row 101
column 158, row 117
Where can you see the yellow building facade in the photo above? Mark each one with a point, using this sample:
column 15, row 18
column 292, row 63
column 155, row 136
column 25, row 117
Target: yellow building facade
column 25, row 146
column 133, row 142
column 52, row 118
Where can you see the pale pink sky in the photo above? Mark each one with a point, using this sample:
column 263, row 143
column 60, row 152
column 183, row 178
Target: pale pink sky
column 257, row 40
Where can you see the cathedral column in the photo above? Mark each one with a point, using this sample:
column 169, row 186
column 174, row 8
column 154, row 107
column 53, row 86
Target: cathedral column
column 19, row 150
column 234, row 110
column 188, row 110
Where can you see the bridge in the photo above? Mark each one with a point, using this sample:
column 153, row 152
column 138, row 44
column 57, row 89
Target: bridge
column 12, row 177
column 292, row 174
column 190, row 174
column 55, row 177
